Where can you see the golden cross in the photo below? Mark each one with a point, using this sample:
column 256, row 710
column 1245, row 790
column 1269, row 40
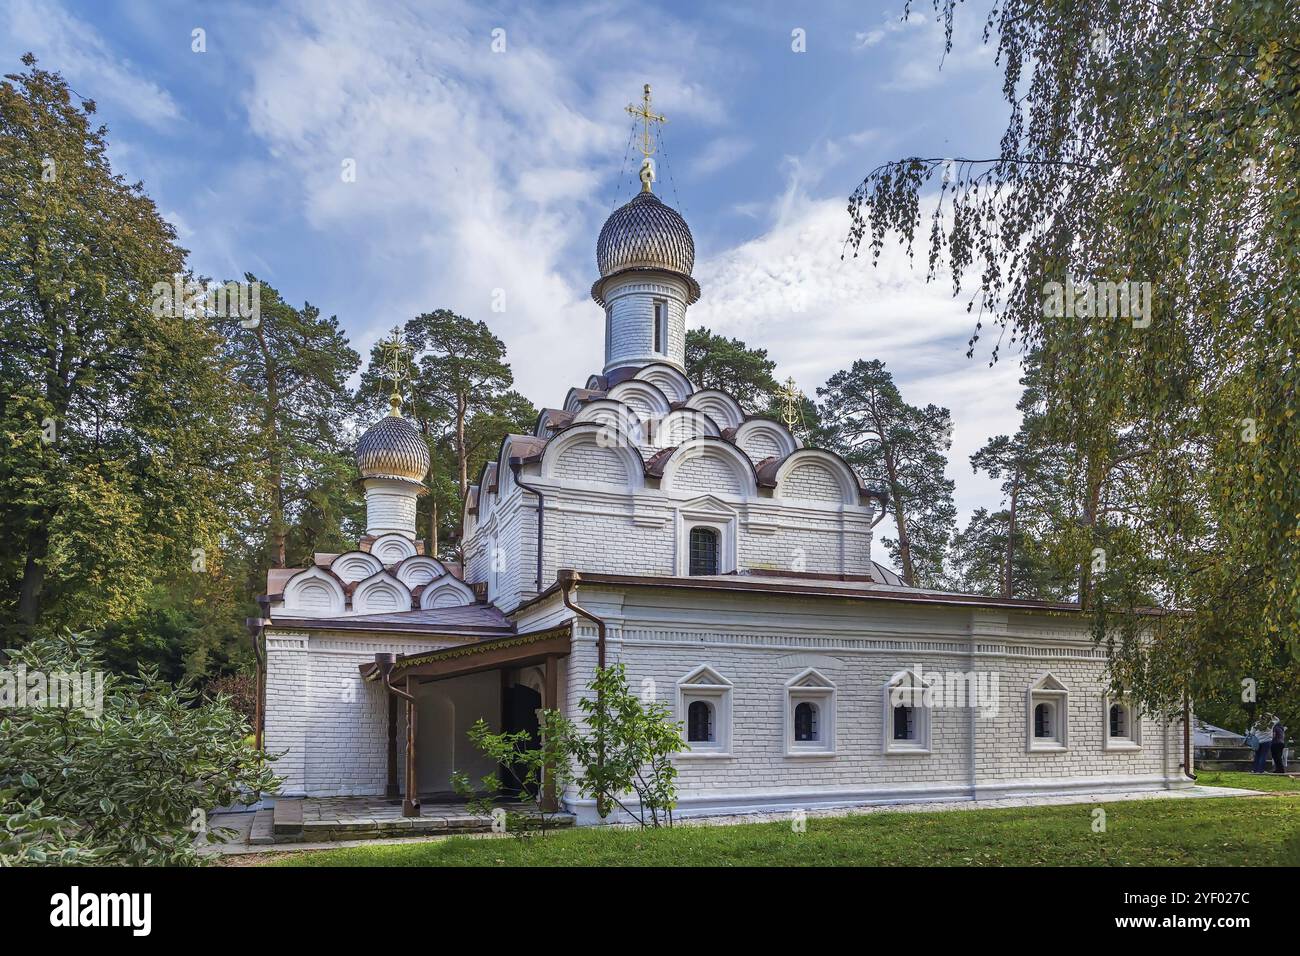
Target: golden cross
column 793, row 399
column 647, row 117
column 395, row 354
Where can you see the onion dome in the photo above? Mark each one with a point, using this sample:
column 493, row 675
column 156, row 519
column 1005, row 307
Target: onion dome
column 392, row 448
column 646, row 234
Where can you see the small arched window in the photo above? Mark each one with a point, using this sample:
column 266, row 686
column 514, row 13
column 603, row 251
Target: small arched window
column 1044, row 721
column 704, row 551
column 1118, row 723
column 805, row 721
column 699, row 722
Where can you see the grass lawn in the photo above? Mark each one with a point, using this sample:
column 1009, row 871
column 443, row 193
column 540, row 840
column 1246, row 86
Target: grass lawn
column 1230, row 831
column 1247, row 781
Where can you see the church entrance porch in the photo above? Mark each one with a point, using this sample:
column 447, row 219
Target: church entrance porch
column 443, row 693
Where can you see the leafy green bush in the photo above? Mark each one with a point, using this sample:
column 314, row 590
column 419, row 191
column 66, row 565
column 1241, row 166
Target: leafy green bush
column 627, row 750
column 131, row 785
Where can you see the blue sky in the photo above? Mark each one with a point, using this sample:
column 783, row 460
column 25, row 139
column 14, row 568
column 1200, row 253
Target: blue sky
column 479, row 170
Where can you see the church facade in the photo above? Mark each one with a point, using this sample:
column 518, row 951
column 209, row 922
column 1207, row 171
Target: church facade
column 655, row 524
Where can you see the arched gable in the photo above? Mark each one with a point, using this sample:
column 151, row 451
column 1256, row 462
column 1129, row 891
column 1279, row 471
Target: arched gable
column 709, row 466
column 380, row 594
column 681, row 425
column 762, row 438
column 609, row 411
column 393, row 547
column 594, row 452
column 576, row 397
column 669, row 380
column 315, row 592
column 418, row 570
column 719, row 406
column 814, row 475
column 353, row 566
column 447, row 591
column 486, row 496
column 469, row 510
column 646, row 398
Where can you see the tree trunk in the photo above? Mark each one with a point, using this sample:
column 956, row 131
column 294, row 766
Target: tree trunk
column 433, row 529
column 462, row 459
column 29, row 595
column 1090, row 521
column 279, row 533
column 1008, row 585
column 900, row 519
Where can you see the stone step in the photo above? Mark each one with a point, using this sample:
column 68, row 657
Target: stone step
column 263, row 830
column 333, row 830
column 287, row 819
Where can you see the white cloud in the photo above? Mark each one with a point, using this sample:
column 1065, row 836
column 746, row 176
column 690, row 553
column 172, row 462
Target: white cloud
column 62, row 42
column 719, row 154
column 789, row 291
column 475, row 170
column 891, row 24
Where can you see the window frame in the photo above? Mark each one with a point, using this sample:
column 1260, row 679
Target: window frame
column 810, row 686
column 717, row 549
column 687, row 519
column 705, row 684
column 1048, row 688
column 659, row 311
column 1127, row 744
column 711, row 709
column 922, row 743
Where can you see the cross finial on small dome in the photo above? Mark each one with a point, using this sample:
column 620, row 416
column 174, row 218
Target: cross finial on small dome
column 396, row 355
column 647, row 117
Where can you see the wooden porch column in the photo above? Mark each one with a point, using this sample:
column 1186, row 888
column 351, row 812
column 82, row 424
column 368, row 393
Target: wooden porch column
column 394, row 790
column 411, row 804
column 550, row 701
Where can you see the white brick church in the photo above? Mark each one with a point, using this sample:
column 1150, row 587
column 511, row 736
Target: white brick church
column 650, row 523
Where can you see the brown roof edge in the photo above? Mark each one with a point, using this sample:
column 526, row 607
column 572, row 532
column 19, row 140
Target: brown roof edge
column 877, row 593
column 406, row 661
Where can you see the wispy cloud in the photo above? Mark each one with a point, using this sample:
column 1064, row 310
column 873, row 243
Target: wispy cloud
column 475, row 170
column 719, row 154
column 789, row 291
column 62, row 42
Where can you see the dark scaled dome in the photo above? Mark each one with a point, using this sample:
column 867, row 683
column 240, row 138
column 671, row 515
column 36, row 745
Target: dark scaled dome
column 392, row 448
column 645, row 234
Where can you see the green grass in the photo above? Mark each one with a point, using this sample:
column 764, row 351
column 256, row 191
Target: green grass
column 1247, row 781
column 1230, row 831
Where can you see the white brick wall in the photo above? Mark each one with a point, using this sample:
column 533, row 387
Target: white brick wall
column 631, row 322
column 765, row 642
column 335, row 727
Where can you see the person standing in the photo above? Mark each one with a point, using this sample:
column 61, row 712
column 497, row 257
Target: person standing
column 1279, row 744
column 1258, row 751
